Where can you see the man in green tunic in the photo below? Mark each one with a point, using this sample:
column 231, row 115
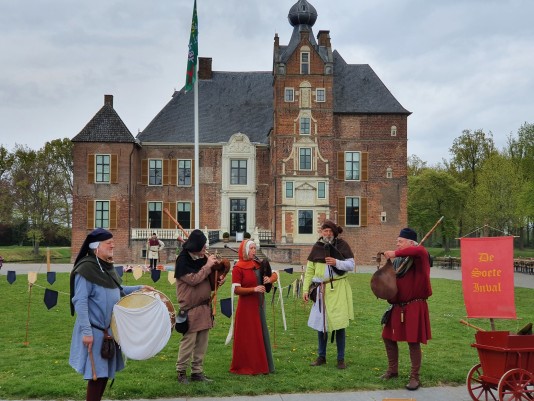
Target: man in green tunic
column 330, row 259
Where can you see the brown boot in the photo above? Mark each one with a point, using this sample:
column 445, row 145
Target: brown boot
column 392, row 352
column 415, row 359
column 321, row 360
column 182, row 378
column 341, row 364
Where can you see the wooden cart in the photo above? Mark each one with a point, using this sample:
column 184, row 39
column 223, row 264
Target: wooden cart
column 506, row 368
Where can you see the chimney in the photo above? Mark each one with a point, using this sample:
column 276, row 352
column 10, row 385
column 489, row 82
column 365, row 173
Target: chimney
column 323, row 37
column 204, row 68
column 108, row 100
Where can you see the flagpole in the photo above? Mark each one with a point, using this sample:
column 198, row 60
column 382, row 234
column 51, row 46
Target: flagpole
column 197, row 168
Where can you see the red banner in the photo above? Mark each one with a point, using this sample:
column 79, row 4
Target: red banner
column 488, row 277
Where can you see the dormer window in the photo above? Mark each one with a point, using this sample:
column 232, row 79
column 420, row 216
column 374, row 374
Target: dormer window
column 304, row 63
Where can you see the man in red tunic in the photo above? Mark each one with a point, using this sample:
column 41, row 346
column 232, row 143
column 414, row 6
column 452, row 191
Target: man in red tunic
column 409, row 319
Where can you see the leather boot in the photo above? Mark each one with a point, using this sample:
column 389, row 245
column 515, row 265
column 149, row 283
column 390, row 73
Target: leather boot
column 200, row 377
column 182, row 378
column 415, row 358
column 392, row 352
column 341, row 364
column 321, row 360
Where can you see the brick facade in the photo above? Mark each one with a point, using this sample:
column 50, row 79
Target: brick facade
column 346, row 121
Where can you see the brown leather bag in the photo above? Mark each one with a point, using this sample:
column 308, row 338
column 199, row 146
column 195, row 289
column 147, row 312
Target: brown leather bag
column 384, row 280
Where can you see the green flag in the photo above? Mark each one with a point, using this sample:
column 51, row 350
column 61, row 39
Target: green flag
column 192, row 54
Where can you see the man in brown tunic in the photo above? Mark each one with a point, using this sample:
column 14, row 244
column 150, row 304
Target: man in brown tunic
column 193, row 290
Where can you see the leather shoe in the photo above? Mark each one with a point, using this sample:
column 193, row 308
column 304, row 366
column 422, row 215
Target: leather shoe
column 389, row 375
column 341, row 364
column 321, row 360
column 413, row 384
column 200, row 377
column 182, row 378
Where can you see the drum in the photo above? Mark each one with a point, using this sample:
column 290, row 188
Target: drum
column 142, row 323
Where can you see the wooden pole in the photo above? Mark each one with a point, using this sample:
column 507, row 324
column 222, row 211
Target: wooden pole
column 47, row 259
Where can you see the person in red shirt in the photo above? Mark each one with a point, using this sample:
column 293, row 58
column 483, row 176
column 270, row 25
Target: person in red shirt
column 409, row 317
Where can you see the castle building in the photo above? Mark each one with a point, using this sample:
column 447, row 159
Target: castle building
column 280, row 151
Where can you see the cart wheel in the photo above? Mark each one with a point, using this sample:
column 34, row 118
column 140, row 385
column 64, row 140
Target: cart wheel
column 515, row 385
column 478, row 389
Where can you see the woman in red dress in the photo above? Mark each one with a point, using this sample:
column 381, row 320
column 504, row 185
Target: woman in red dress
column 251, row 354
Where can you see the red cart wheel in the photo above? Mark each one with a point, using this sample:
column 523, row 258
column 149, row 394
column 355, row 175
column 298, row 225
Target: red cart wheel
column 516, row 385
column 478, row 389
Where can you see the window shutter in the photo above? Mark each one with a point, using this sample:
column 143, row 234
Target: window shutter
column 114, row 169
column 112, row 215
column 341, row 166
column 90, row 169
column 166, row 171
column 143, row 209
column 167, row 222
column 144, row 173
column 341, row 211
column 90, row 214
column 365, row 166
column 173, row 173
column 363, row 212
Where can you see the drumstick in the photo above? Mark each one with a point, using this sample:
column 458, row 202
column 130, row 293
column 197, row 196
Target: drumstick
column 93, row 369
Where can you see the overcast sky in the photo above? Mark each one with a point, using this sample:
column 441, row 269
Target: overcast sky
column 455, row 64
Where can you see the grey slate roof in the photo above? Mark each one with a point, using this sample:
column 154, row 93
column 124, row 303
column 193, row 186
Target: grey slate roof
column 230, row 102
column 105, row 126
column 357, row 89
column 234, row 102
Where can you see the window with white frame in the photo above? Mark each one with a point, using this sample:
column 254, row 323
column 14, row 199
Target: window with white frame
column 393, row 130
column 155, row 214
column 289, row 189
column 183, row 210
column 238, row 172
column 383, row 217
column 102, row 214
column 304, row 63
column 389, row 172
column 352, row 166
column 305, row 221
column 184, row 173
column 102, row 168
column 304, row 126
column 320, row 95
column 321, row 190
column 155, row 171
column 305, row 159
column 289, row 95
column 352, row 211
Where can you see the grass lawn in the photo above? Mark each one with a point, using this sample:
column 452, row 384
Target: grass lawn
column 24, row 254
column 41, row 370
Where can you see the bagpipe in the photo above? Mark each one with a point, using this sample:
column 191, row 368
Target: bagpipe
column 384, row 280
column 219, row 270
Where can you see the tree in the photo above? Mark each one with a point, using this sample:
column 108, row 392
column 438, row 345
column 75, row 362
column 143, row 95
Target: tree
column 495, row 201
column 432, row 194
column 415, row 165
column 469, row 151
